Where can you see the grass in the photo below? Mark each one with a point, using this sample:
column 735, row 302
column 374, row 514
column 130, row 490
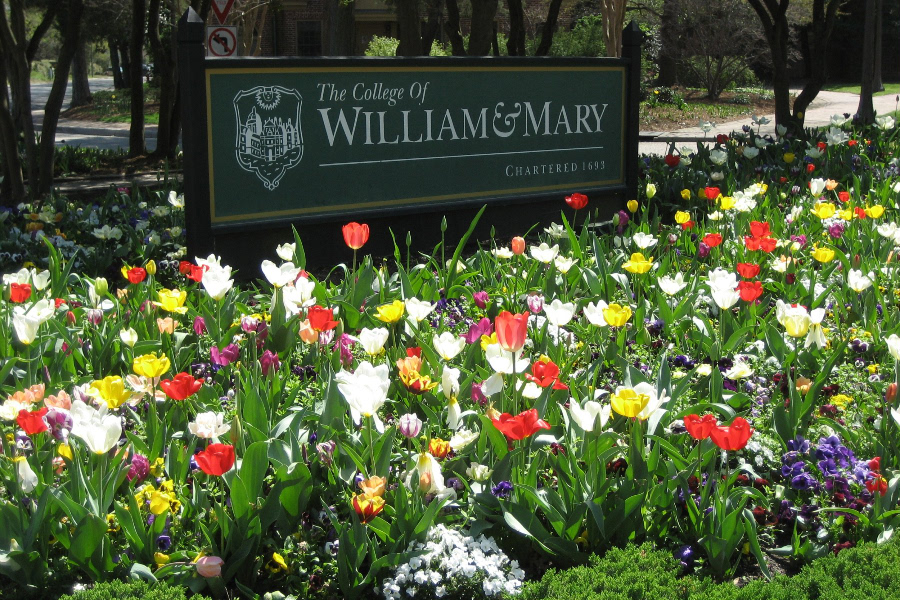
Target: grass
column 731, row 106
column 114, row 106
column 854, row 88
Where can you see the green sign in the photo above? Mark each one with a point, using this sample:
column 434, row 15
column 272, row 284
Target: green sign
column 297, row 141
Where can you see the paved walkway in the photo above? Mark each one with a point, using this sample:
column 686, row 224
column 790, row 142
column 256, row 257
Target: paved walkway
column 818, row 114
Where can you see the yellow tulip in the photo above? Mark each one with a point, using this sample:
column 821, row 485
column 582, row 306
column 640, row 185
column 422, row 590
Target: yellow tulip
column 632, row 205
column 111, row 390
column 682, row 217
column 160, row 559
column 150, row 267
column 824, row 210
column 172, row 300
column 390, row 313
column 685, row 194
column 846, row 215
column 65, row 451
column 788, row 157
column 726, row 202
column 628, row 403
column 823, row 254
column 650, row 191
column 873, row 212
column 616, row 315
column 638, row 264
column 149, row 365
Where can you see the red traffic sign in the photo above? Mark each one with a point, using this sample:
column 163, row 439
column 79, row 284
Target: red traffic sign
column 221, row 41
column 222, row 8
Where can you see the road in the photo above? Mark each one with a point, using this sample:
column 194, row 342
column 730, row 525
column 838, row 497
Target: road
column 89, row 134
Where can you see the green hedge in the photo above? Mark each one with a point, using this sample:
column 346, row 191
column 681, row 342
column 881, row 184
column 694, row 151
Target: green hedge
column 133, row 590
column 868, row 572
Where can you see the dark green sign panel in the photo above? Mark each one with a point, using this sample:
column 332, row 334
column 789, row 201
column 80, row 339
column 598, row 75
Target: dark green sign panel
column 286, row 142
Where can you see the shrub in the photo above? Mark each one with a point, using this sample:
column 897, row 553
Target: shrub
column 132, row 590
column 387, row 46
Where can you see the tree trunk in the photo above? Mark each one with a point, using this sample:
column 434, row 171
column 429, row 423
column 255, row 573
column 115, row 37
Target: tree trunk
column 543, row 48
column 877, row 83
column 613, row 18
column 515, row 46
column 451, row 27
column 668, row 52
column 482, row 33
column 163, row 53
column 866, row 110
column 434, row 9
column 124, row 52
column 821, row 27
column 346, row 29
column 12, row 191
column 81, row 88
column 118, row 80
column 410, row 28
column 19, row 76
column 136, row 79
column 71, row 35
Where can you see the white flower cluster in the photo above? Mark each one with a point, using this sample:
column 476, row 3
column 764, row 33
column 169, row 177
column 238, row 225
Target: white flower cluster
column 453, row 562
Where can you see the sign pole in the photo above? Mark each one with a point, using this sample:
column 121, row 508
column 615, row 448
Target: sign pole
column 632, row 38
column 191, row 69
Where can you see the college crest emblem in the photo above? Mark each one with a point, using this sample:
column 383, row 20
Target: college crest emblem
column 268, row 140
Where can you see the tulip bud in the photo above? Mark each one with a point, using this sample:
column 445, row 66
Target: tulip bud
column 410, row 425
column 857, row 260
column 650, row 191
column 535, row 302
column 444, row 224
column 70, row 317
column 890, row 394
column 199, row 325
column 518, row 245
column 150, row 267
column 492, row 413
column 101, row 286
column 632, row 205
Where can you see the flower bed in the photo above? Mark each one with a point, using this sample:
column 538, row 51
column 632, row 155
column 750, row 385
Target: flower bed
column 716, row 375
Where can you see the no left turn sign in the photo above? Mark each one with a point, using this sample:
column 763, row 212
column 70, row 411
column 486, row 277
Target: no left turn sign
column 221, row 42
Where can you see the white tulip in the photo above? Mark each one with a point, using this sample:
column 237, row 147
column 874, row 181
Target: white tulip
column 644, row 240
column 893, row 344
column 365, row 389
column 286, row 251
column 559, row 313
column 279, row 276
column 859, row 282
column 217, row 282
column 672, row 285
column 373, row 340
column 98, row 430
column 594, row 313
column 27, row 319
column 209, row 425
column 544, row 253
column 448, row 345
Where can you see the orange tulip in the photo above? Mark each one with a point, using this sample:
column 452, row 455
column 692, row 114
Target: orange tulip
column 511, row 330
column 367, row 507
column 518, row 245
column 356, row 235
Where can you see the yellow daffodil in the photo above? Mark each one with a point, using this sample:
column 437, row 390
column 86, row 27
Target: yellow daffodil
column 628, row 403
column 111, row 390
column 172, row 300
column 685, row 194
column 616, row 315
column 632, row 205
column 390, row 313
column 682, row 217
column 874, row 212
column 638, row 264
column 823, row 254
column 150, row 365
column 824, row 210
column 726, row 202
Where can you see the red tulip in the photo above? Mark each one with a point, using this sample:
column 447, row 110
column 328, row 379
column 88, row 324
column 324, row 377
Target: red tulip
column 844, row 196
column 712, row 193
column 672, row 160
column 356, row 235
column 136, row 274
column 181, row 386
column 321, row 319
column 577, row 201
column 216, row 460
column 19, row 292
column 734, row 437
column 712, row 239
column 518, row 245
column 32, row 422
column 878, row 484
column 759, row 229
column 196, row 272
column 521, row 426
column 721, row 138
column 545, row 374
column 416, row 351
column 747, row 270
column 184, row 267
column 860, row 212
column 698, row 427
column 750, row 290
column 511, row 330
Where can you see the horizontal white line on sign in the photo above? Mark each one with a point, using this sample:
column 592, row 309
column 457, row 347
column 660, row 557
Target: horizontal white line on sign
column 391, row 160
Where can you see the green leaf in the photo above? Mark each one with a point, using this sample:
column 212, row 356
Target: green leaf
column 254, row 464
